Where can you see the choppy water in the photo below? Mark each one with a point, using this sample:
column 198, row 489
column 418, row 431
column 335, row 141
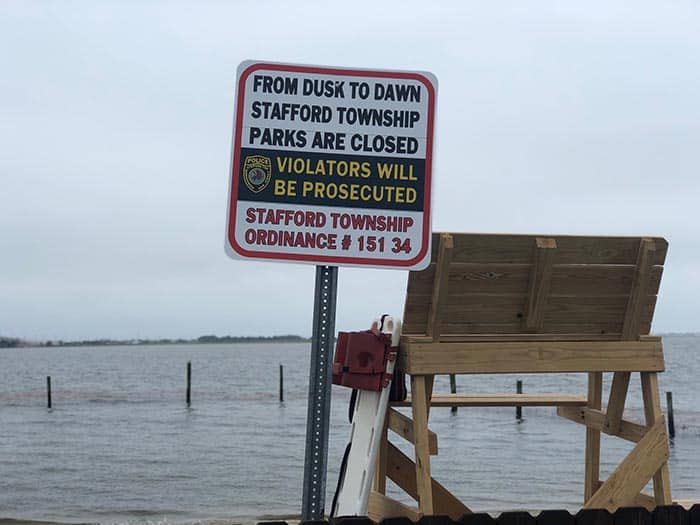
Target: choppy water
column 121, row 446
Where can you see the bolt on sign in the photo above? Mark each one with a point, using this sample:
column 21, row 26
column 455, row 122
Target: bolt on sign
column 332, row 166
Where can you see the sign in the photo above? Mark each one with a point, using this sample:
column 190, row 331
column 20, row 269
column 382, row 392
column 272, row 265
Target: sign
column 332, row 166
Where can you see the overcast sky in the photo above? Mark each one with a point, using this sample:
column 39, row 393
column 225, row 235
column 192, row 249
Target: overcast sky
column 115, row 132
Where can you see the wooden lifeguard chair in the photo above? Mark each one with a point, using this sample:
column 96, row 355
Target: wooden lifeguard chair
column 532, row 304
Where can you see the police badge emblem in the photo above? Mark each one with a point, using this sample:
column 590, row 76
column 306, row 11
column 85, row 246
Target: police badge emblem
column 257, row 172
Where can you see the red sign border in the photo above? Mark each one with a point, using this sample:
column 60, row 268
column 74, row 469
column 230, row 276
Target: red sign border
column 330, row 259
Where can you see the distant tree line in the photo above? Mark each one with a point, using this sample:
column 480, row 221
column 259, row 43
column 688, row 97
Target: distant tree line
column 205, row 339
column 11, row 342
column 236, row 339
column 14, row 342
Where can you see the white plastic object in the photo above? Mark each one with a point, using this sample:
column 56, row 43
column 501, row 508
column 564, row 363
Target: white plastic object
column 365, row 436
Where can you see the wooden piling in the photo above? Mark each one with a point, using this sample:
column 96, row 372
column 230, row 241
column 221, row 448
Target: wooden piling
column 519, row 390
column 669, row 412
column 48, row 391
column 453, row 389
column 281, row 384
column 189, row 383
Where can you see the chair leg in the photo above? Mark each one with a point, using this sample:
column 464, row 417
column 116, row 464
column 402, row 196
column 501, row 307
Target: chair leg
column 616, row 401
column 420, row 406
column 652, row 413
column 595, row 401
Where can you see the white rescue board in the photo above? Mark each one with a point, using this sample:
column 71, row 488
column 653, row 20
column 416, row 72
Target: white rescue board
column 365, row 436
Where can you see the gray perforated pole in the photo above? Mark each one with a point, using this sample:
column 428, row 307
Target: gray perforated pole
column 319, row 406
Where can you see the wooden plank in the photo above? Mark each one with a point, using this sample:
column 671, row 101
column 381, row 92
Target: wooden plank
column 381, row 507
column 630, row 477
column 645, row 501
column 499, row 313
column 601, row 309
column 530, row 357
column 403, row 426
column 519, row 338
column 567, row 279
column 577, row 279
column 616, row 402
column 511, row 337
column 401, row 470
column 595, row 420
column 653, row 414
column 592, row 465
column 467, row 278
column 501, row 400
column 436, row 312
column 638, row 294
column 488, row 290
column 581, row 331
column 540, row 281
column 642, row 499
column 651, row 398
column 485, row 248
column 422, row 450
column 429, row 383
column 504, row 308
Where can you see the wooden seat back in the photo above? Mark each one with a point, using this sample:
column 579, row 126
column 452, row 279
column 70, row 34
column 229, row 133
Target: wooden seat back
column 535, row 287
column 496, row 304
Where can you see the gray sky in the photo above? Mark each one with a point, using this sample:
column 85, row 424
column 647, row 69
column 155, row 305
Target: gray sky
column 115, row 130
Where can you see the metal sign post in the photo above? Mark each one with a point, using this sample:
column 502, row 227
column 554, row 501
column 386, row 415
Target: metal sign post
column 319, row 405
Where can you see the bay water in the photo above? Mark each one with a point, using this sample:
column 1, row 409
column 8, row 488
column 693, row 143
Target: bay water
column 121, row 446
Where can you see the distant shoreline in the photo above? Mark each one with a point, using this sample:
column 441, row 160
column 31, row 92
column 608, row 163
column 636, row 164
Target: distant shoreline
column 202, row 340
column 14, row 342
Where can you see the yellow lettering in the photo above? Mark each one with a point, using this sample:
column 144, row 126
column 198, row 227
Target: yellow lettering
column 366, row 170
column 384, row 170
column 320, row 168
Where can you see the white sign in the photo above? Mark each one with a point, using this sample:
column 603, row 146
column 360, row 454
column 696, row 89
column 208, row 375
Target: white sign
column 332, row 166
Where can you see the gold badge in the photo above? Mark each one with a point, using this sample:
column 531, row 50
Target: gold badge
column 257, row 172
